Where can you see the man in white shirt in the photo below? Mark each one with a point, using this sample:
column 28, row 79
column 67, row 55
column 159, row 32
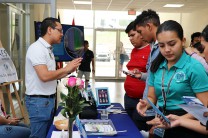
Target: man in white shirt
column 41, row 76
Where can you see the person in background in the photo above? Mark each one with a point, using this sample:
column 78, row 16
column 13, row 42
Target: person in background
column 197, row 56
column 195, row 45
column 122, row 57
column 204, row 42
column 41, row 77
column 195, row 38
column 196, row 49
column 178, row 71
column 11, row 127
column 134, row 87
column 84, row 68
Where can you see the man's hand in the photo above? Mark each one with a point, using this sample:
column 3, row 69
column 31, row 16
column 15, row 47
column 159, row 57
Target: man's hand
column 137, row 73
column 72, row 66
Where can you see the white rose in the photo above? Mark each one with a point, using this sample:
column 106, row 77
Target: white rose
column 78, row 82
column 64, row 81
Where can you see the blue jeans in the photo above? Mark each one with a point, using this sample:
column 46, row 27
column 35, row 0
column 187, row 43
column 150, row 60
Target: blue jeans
column 40, row 112
column 18, row 131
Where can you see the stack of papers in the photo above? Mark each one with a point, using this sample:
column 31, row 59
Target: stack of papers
column 195, row 107
column 191, row 100
column 99, row 127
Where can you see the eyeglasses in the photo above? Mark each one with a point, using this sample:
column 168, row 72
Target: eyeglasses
column 60, row 30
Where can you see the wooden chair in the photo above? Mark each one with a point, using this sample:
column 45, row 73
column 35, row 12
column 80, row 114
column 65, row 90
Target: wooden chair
column 7, row 86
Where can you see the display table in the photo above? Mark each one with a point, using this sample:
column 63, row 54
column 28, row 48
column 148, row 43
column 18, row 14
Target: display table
column 120, row 121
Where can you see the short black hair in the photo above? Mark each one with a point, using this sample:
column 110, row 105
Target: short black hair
column 196, row 34
column 199, row 47
column 149, row 16
column 86, row 42
column 48, row 22
column 130, row 27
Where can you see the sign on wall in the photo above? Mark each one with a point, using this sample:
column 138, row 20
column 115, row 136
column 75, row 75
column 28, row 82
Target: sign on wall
column 7, row 69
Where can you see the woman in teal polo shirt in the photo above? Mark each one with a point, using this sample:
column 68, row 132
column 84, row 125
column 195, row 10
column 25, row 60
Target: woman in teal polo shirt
column 174, row 74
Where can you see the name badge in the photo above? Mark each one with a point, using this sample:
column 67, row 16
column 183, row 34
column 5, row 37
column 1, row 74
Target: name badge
column 159, row 132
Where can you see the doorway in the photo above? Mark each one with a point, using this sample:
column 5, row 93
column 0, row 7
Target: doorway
column 107, row 53
column 15, row 42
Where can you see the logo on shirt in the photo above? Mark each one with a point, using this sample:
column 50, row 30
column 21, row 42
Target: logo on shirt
column 180, row 76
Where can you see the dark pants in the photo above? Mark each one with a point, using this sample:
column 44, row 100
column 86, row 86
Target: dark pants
column 130, row 107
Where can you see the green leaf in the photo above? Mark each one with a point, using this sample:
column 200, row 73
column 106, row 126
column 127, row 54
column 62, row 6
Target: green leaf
column 62, row 104
column 63, row 96
column 63, row 112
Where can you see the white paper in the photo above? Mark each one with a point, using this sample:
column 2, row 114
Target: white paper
column 197, row 111
column 8, row 71
column 191, row 100
column 60, row 134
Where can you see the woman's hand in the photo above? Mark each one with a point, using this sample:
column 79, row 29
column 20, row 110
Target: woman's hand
column 174, row 119
column 142, row 107
column 159, row 122
column 156, row 123
column 13, row 121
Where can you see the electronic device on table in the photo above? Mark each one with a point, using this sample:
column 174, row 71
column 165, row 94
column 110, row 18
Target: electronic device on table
column 102, row 95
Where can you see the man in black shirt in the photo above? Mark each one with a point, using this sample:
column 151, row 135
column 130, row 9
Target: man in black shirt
column 84, row 68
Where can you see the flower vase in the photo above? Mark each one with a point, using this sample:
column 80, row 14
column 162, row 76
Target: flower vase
column 70, row 127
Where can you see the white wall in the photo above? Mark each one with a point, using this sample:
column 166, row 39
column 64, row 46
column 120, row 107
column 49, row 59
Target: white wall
column 194, row 22
column 191, row 22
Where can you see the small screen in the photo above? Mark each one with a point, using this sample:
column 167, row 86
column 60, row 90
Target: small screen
column 102, row 96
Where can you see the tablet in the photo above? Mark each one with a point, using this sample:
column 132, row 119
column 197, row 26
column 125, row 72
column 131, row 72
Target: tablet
column 157, row 111
column 102, row 96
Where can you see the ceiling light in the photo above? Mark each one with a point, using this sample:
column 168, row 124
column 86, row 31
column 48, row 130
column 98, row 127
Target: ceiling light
column 173, row 5
column 83, row 2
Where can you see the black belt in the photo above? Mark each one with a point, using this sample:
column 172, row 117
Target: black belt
column 43, row 96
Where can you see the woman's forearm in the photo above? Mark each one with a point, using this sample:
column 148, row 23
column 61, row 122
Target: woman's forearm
column 193, row 125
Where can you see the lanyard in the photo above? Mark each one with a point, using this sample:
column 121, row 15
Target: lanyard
column 164, row 94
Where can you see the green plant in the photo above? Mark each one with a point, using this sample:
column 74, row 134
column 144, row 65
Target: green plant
column 72, row 103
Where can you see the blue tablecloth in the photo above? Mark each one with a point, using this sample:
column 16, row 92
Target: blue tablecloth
column 120, row 121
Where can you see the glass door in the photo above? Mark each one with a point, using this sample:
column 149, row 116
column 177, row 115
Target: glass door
column 16, row 43
column 108, row 59
column 105, row 45
column 127, row 48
